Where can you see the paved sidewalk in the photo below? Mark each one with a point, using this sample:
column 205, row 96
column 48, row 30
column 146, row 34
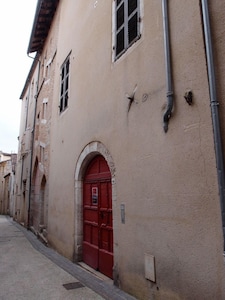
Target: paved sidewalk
column 30, row 270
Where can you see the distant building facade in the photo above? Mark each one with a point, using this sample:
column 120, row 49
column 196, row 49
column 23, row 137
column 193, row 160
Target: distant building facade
column 7, row 183
column 120, row 161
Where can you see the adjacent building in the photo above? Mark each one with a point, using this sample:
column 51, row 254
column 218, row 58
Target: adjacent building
column 7, row 183
column 120, row 161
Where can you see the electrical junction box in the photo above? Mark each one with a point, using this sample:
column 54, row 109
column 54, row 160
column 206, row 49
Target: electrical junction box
column 150, row 267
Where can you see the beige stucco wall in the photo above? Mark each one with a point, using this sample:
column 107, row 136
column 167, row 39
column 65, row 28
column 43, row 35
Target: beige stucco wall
column 167, row 182
column 22, row 182
column 5, row 172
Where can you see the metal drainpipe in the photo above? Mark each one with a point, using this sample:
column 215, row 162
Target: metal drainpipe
column 214, row 109
column 168, row 112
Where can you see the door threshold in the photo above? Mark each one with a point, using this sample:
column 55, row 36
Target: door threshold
column 94, row 272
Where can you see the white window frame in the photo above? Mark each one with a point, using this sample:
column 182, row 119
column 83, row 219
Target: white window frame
column 44, row 110
column 48, row 66
column 42, row 152
column 127, row 44
column 64, row 85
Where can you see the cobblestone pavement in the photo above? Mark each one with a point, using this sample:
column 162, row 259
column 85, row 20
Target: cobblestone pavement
column 30, row 270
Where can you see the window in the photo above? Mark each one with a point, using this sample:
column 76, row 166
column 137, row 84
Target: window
column 48, row 64
column 48, row 70
column 44, row 109
column 127, row 24
column 64, row 85
column 42, row 152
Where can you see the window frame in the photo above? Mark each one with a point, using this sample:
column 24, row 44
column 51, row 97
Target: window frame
column 124, row 25
column 64, row 85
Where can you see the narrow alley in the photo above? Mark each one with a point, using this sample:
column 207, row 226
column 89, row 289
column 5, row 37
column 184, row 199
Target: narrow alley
column 30, row 270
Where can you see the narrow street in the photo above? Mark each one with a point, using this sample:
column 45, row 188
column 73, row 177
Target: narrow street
column 30, row 270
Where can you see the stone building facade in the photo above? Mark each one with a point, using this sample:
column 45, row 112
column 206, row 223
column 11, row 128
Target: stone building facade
column 7, row 183
column 125, row 165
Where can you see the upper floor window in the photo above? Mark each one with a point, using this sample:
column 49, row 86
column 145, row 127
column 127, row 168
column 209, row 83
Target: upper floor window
column 48, row 65
column 127, row 24
column 64, row 90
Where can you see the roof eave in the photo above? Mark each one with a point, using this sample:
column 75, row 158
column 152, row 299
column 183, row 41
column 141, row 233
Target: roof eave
column 44, row 15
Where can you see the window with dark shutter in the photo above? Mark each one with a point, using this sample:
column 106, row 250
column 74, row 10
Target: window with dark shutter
column 64, row 85
column 127, row 24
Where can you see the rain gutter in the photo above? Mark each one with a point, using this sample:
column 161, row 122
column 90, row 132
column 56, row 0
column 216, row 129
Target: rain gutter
column 214, row 109
column 169, row 94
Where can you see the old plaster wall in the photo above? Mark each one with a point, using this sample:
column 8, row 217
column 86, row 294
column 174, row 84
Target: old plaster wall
column 167, row 182
column 5, row 170
column 43, row 117
column 28, row 103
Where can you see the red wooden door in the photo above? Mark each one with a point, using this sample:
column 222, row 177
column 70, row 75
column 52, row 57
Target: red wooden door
column 97, row 217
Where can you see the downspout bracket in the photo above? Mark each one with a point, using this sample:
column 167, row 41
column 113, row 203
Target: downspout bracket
column 168, row 112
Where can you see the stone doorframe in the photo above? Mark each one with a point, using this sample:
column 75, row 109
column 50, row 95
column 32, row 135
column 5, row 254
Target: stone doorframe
column 87, row 154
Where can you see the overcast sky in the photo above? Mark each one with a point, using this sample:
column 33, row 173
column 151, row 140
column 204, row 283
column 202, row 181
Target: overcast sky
column 16, row 20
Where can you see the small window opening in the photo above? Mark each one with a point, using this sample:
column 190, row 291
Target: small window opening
column 127, row 29
column 64, row 89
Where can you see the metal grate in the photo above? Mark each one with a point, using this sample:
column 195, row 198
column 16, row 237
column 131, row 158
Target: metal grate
column 73, row 285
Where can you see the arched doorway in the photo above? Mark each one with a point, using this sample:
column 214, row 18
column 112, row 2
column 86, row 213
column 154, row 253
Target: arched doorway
column 97, row 216
column 42, row 203
column 34, row 201
column 89, row 152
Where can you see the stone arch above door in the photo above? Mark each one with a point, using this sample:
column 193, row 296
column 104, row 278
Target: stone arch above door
column 91, row 150
column 88, row 153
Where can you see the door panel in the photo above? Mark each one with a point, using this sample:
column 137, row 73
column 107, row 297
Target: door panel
column 90, row 255
column 106, row 263
column 97, row 217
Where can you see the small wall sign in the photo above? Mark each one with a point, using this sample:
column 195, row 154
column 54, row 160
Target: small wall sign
column 122, row 211
column 94, row 195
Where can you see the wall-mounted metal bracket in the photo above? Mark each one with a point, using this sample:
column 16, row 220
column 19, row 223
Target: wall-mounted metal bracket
column 168, row 112
column 188, row 96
